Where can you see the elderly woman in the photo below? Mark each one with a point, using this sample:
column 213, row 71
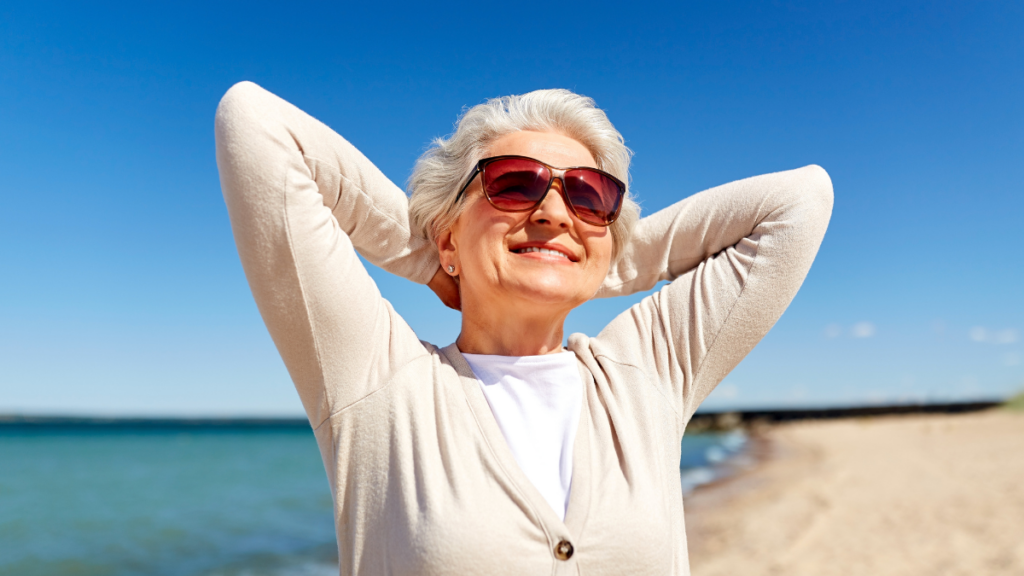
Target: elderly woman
column 505, row 452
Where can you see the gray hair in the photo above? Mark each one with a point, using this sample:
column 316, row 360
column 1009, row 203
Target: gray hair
column 442, row 170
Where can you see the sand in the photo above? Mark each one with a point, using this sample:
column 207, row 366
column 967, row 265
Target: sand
column 906, row 495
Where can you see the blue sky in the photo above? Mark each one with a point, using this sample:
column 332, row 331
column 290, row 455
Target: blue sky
column 122, row 292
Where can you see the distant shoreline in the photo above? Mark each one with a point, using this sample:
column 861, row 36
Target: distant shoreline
column 701, row 421
column 84, row 423
column 729, row 419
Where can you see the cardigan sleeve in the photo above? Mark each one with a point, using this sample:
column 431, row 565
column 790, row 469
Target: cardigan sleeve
column 735, row 256
column 302, row 201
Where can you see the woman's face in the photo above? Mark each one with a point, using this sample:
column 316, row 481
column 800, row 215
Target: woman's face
column 495, row 252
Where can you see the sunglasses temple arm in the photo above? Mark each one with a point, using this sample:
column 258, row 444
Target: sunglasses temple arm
column 468, row 182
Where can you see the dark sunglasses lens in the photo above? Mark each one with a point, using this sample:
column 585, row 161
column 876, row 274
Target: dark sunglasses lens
column 515, row 184
column 595, row 197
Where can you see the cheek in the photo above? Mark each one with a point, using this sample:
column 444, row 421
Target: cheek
column 601, row 248
column 603, row 261
column 480, row 232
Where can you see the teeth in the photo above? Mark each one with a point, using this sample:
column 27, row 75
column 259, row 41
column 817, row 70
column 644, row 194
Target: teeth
column 541, row 250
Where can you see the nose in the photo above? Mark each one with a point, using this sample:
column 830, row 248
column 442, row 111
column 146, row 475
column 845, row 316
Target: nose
column 553, row 210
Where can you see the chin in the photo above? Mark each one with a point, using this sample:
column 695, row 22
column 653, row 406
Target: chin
column 554, row 292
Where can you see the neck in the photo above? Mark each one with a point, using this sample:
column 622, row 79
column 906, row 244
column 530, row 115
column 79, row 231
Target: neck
column 508, row 332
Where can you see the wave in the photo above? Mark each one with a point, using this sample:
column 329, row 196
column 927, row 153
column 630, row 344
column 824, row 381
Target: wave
column 708, row 457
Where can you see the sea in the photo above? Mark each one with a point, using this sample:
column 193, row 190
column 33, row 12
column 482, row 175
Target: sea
column 192, row 501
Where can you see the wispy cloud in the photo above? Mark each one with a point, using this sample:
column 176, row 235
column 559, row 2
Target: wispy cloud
column 1011, row 359
column 982, row 334
column 863, row 330
column 1008, row 336
column 859, row 330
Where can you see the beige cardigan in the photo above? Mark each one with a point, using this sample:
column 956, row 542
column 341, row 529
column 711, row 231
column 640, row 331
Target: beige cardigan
column 422, row 479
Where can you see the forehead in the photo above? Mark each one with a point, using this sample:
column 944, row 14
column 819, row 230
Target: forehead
column 551, row 148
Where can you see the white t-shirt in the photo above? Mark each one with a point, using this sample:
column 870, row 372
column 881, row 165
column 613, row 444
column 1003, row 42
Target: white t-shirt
column 536, row 401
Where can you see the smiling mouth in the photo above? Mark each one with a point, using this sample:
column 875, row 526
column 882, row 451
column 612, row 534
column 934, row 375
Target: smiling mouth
column 542, row 251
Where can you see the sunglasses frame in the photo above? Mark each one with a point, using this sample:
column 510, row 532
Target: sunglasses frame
column 556, row 173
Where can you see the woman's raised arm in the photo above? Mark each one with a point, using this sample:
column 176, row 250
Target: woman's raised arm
column 736, row 256
column 300, row 199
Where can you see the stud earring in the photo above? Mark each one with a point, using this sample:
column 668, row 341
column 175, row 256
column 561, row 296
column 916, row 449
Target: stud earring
column 451, row 269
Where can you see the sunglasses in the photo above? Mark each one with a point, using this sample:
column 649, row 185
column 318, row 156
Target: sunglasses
column 520, row 184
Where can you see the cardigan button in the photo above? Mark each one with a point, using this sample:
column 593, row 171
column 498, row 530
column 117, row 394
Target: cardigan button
column 564, row 550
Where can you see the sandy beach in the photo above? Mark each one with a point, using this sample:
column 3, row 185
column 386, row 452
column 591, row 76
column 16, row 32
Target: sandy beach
column 906, row 495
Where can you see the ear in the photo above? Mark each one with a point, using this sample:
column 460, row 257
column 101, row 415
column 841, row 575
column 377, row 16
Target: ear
column 448, row 252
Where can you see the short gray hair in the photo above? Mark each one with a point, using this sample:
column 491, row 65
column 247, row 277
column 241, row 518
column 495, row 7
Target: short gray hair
column 442, row 170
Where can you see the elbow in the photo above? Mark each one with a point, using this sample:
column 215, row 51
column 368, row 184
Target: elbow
column 234, row 125
column 807, row 195
column 238, row 94
column 816, row 187
column 803, row 197
column 237, row 111
column 246, row 122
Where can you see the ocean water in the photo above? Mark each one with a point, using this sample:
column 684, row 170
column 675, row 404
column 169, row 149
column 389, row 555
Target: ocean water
column 188, row 502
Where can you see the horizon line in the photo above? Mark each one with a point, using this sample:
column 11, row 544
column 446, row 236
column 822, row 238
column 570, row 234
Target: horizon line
column 774, row 414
